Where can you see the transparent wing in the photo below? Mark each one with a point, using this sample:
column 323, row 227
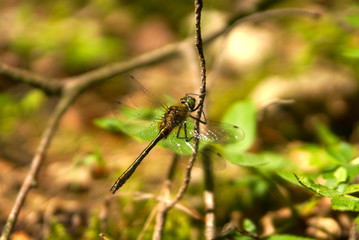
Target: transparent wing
column 142, row 123
column 210, row 133
column 222, row 133
column 139, row 123
column 216, row 132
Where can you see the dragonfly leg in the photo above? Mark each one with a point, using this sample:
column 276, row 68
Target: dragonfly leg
column 184, row 127
column 203, row 121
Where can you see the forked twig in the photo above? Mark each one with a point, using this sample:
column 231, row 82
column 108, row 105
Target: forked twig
column 49, row 86
column 70, row 88
column 90, row 78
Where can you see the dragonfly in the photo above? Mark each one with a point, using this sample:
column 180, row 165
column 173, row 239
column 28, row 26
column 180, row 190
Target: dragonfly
column 176, row 129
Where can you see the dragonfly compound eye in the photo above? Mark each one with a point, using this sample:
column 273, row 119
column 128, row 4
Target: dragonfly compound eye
column 189, row 101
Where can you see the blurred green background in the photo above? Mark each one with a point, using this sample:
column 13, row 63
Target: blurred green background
column 309, row 63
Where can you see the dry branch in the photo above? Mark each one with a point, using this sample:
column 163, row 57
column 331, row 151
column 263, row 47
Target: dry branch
column 71, row 88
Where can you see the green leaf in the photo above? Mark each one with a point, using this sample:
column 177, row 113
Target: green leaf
column 351, row 53
column 245, row 159
column 94, row 228
column 351, row 189
column 345, row 203
column 109, row 124
column 353, row 19
column 341, row 174
column 137, row 126
column 353, row 170
column 9, row 113
column 58, row 231
column 266, row 159
column 242, row 114
column 289, row 176
column 287, row 237
column 93, row 158
column 142, row 124
column 325, row 135
column 249, row 226
column 341, row 151
column 317, row 188
column 32, row 100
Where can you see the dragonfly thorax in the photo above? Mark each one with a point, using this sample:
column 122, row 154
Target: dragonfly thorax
column 176, row 114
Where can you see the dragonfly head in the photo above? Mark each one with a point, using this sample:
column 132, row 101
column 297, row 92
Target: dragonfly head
column 189, row 101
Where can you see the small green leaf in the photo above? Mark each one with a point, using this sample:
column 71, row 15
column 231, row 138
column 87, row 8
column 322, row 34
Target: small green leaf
column 109, row 124
column 345, row 203
column 245, row 159
column 353, row 171
column 242, row 114
column 32, row 100
column 351, row 189
column 267, row 159
column 325, row 135
column 353, row 19
column 92, row 158
column 317, row 188
column 288, row 237
column 249, row 226
column 341, row 151
column 289, row 176
column 341, row 174
column 351, row 53
column 58, row 231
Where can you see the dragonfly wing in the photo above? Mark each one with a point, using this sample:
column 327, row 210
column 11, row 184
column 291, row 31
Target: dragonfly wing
column 138, row 122
column 179, row 146
column 216, row 132
column 221, row 133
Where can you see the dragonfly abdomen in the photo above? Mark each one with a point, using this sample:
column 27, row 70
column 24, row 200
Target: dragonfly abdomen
column 131, row 169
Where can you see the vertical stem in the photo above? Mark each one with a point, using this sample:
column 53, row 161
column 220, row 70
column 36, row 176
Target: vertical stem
column 199, row 47
column 208, row 193
column 198, row 43
column 209, row 201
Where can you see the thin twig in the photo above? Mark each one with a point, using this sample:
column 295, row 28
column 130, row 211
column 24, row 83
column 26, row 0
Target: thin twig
column 191, row 212
column 161, row 216
column 48, row 85
column 87, row 79
column 78, row 84
column 199, row 47
column 260, row 16
column 209, row 201
column 162, row 205
column 147, row 223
